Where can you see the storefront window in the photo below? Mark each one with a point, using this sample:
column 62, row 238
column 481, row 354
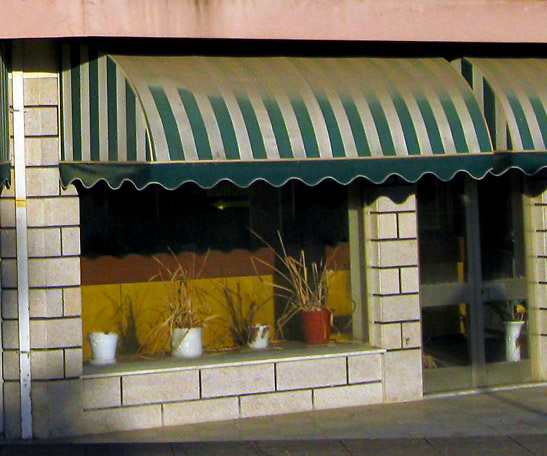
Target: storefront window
column 441, row 218
column 232, row 242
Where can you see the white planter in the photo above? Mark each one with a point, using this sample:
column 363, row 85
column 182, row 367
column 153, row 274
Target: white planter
column 186, row 343
column 512, row 334
column 103, row 348
column 259, row 337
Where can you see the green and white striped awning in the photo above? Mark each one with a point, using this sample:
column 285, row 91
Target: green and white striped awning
column 171, row 120
column 512, row 93
column 4, row 122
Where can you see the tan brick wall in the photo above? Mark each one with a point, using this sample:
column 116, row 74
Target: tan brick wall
column 12, row 408
column 167, row 387
column 393, row 287
column 102, row 392
column 364, row 368
column 347, row 396
column 292, row 375
column 276, row 403
column 53, row 255
column 226, row 408
column 536, row 228
column 231, row 381
column 254, row 389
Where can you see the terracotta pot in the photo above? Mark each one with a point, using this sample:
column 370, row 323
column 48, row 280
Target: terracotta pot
column 316, row 326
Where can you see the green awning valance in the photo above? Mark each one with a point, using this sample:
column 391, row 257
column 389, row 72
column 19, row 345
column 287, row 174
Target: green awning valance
column 171, row 120
column 243, row 173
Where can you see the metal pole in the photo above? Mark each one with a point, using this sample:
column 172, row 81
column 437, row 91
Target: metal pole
column 475, row 281
column 21, row 241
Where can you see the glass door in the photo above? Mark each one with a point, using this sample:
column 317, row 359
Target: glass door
column 472, row 282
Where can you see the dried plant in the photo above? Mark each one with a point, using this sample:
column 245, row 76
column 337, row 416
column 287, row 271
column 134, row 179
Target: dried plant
column 306, row 284
column 184, row 306
column 511, row 310
column 127, row 312
column 242, row 309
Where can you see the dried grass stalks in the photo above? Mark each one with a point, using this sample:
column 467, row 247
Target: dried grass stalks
column 307, row 284
column 242, row 309
column 127, row 312
column 184, row 306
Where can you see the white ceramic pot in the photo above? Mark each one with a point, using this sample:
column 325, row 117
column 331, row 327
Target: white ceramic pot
column 103, row 347
column 259, row 336
column 512, row 334
column 186, row 343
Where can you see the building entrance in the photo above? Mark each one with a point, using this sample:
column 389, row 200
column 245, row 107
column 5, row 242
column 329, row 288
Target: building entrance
column 473, row 282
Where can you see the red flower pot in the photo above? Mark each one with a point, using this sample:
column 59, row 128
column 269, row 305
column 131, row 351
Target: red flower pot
column 316, row 326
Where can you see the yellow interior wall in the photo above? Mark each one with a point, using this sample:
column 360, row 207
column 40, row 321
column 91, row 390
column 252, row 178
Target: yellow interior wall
column 101, row 304
column 104, row 305
column 339, row 295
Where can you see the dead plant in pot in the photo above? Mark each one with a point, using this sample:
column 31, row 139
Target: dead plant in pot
column 184, row 311
column 243, row 310
column 306, row 286
column 127, row 311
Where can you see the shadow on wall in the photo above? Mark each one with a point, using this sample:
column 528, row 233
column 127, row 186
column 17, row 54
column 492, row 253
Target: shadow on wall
column 56, row 402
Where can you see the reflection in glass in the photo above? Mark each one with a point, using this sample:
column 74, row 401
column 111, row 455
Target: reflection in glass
column 445, row 333
column 447, row 351
column 441, row 222
column 505, row 331
column 501, row 228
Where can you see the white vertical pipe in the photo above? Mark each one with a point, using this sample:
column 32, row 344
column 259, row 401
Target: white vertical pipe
column 5, row 94
column 21, row 241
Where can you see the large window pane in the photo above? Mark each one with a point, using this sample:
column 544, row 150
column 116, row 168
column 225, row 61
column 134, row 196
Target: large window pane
column 441, row 222
column 229, row 237
column 501, row 228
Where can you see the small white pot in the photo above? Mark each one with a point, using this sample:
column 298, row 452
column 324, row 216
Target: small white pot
column 259, row 337
column 186, row 343
column 103, row 348
column 512, row 334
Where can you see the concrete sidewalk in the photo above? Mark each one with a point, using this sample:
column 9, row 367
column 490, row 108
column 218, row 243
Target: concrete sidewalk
column 464, row 446
column 512, row 422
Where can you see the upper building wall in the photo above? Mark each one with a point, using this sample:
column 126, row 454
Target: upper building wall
column 520, row 21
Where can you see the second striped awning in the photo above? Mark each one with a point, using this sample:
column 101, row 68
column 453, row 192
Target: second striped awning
column 513, row 96
column 171, row 120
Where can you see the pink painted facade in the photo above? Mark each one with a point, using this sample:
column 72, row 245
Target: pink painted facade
column 519, row 21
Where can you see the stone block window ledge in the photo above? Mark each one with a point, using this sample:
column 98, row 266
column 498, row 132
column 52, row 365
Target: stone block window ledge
column 289, row 351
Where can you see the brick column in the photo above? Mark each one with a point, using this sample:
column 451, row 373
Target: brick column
column 54, row 262
column 536, row 232
column 393, row 287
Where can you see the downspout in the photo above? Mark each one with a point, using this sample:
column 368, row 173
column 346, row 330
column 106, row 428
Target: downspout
column 4, row 131
column 21, row 240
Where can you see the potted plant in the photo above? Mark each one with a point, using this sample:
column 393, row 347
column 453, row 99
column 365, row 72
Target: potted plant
column 306, row 288
column 515, row 312
column 184, row 313
column 126, row 313
column 512, row 314
column 103, row 347
column 243, row 309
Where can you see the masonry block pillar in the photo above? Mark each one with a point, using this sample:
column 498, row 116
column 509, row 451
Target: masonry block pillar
column 393, row 287
column 53, row 239
column 535, row 210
